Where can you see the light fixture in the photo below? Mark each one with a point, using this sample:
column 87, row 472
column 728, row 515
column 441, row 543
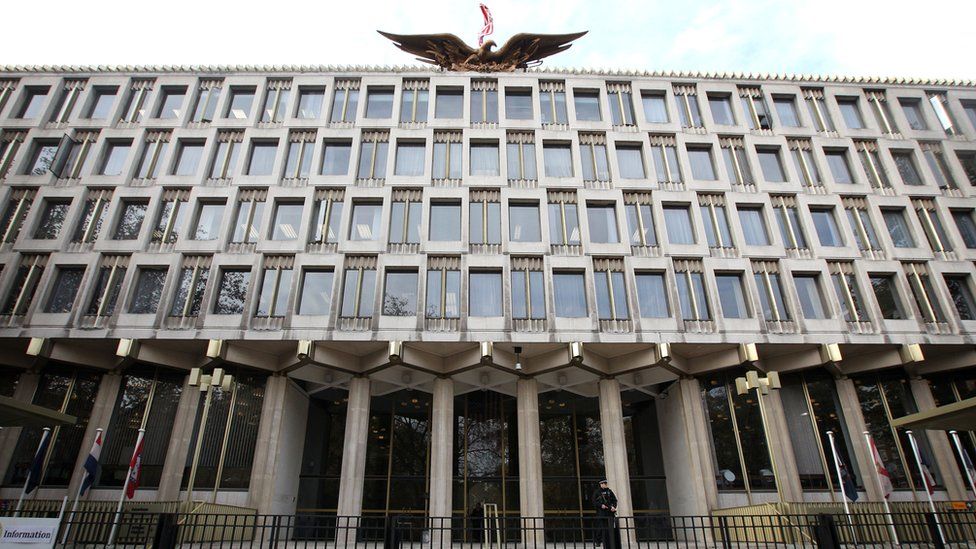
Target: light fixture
column 518, row 358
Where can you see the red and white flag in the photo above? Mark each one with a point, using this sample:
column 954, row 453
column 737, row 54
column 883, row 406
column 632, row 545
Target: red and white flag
column 883, row 475
column 489, row 27
column 135, row 467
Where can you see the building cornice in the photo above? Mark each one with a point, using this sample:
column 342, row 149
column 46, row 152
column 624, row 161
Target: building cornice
column 340, row 69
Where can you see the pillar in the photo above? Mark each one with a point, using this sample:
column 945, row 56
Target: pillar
column 353, row 468
column 101, row 416
column 615, row 445
column 942, row 448
column 781, row 448
column 441, row 461
column 280, row 446
column 854, row 420
column 26, row 386
column 180, row 443
column 530, row 460
column 686, row 449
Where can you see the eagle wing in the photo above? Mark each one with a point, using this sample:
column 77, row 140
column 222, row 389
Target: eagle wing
column 527, row 47
column 436, row 49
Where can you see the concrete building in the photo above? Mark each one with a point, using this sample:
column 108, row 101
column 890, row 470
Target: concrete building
column 436, row 290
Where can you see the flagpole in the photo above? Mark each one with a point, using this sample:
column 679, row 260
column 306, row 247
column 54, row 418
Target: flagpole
column 884, row 497
column 840, row 483
column 125, row 487
column 20, row 501
column 966, row 463
column 921, row 473
column 74, row 506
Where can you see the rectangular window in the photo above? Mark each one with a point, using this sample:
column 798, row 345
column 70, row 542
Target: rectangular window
column 968, row 106
column 131, row 215
column 966, row 226
column 569, row 294
column 937, row 164
column 961, row 295
column 148, row 290
column 67, row 280
column 587, row 103
column 24, row 285
column 912, row 108
column 677, row 221
column 335, row 157
column 736, row 163
column 700, row 158
column 286, row 220
column 172, row 214
column 848, row 292
column 753, row 225
column 630, row 161
column 262, row 158
column 232, row 291
column 345, row 101
column 715, row 221
column 665, row 159
column 484, row 158
column 484, row 102
column 239, row 105
column 621, row 104
column 652, row 296
column 250, row 210
column 839, row 167
column 92, row 216
column 298, row 161
column 871, row 162
column 365, row 224
column 860, row 220
column 316, row 293
column 485, row 293
column 721, row 107
column 731, row 295
column 826, row 226
column 410, row 156
column 170, row 103
column 523, row 222
column 886, row 292
column 802, row 153
column 563, row 219
column 114, row 157
column 413, row 101
column 966, row 158
column 901, row 235
column 928, row 218
column 449, row 103
column 811, row 298
column 520, row 157
column 372, row 156
column 611, row 291
column 379, row 102
column 879, row 105
column 689, row 113
column 135, row 108
column 191, row 286
column 101, row 102
column 18, row 204
column 151, row 163
column 552, row 103
column 923, row 292
column 9, row 146
column 32, row 102
column 766, row 276
column 275, row 99
column 275, row 287
column 445, row 221
column 851, row 112
column 771, row 164
column 310, row 103
column 939, row 102
column 755, row 108
column 518, row 104
column 326, row 216
column 558, row 159
column 528, row 295
column 789, row 222
column 52, row 218
column 188, row 154
column 655, row 107
column 207, row 226
column 786, row 110
column 72, row 154
column 443, row 293
column 691, row 296
column 42, row 157
column 108, row 285
column 593, row 157
column 640, row 223
column 484, row 218
column 67, row 100
column 400, row 293
column 447, row 157
column 602, row 223
column 208, row 95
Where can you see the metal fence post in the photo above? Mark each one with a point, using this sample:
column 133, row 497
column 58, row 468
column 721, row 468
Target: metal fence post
column 165, row 535
column 933, row 526
column 825, row 532
column 723, row 526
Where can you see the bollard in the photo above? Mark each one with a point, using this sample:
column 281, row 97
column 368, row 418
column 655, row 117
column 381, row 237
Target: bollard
column 825, row 532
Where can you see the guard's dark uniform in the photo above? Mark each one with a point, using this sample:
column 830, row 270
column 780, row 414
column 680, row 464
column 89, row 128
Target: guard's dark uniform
column 605, row 502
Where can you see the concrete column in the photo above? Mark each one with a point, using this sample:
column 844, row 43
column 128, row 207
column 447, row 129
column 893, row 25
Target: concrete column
column 26, row 386
column 615, row 446
column 530, row 458
column 441, row 460
column 854, row 420
column 354, row 449
column 280, row 446
column 686, row 449
column 781, row 447
column 181, row 440
column 101, row 416
column 942, row 448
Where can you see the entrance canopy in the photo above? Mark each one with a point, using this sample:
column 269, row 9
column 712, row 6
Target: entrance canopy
column 959, row 416
column 14, row 413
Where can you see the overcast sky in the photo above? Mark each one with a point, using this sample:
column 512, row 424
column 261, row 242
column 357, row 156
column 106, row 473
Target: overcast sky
column 853, row 37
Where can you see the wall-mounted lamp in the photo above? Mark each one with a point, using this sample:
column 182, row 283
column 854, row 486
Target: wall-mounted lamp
column 518, row 358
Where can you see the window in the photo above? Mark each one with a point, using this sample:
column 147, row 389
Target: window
column 114, row 157
column 345, row 101
column 966, row 158
column 65, row 288
column 275, row 99
column 188, row 155
column 962, row 296
column 736, row 163
column 72, row 154
column 484, row 158
column 520, row 157
column 443, row 293
column 766, row 275
column 310, row 103
column 410, row 158
column 968, row 106
column 771, row 165
column 528, row 295
column 937, row 163
column 365, row 223
column 326, row 216
column 651, row 295
column 485, row 293
column 192, row 284
column 335, row 157
column 593, row 156
column 552, row 103
column 171, row 216
column 826, row 227
column 413, row 101
column 755, row 108
column 65, row 105
column 131, row 215
column 851, row 112
column 789, row 222
column 287, row 220
column 603, row 223
column 523, row 222
column 587, row 103
column 928, row 218
column 207, row 225
column 871, row 162
column 558, row 159
column 912, row 108
column 621, row 104
column 239, row 105
column 731, row 295
column 886, row 292
column 677, row 220
column 839, row 168
column 136, row 102
column 275, row 287
column 848, row 292
column 400, row 293
column 721, row 107
column 655, row 107
column 923, row 292
column 232, row 291
column 688, row 110
column 563, row 219
column 966, row 226
column 518, row 104
column 42, row 157
column 485, row 218
column 405, row 218
column 9, row 145
column 108, row 285
column 445, row 221
column 18, row 204
column 569, row 294
column 611, row 291
column 691, row 295
column 32, row 102
column 24, row 285
column 372, row 156
column 148, row 290
column 786, row 110
column 52, row 218
column 151, row 163
column 208, row 95
column 860, row 219
column 250, row 210
column 879, row 105
column 665, row 159
column 316, row 293
column 901, row 235
column 170, row 103
column 802, row 152
column 939, row 102
column 811, row 298
column 484, row 102
column 379, row 102
column 630, row 161
column 449, row 104
column 905, row 162
column 92, row 215
column 714, row 220
column 753, row 226
column 100, row 104
column 447, row 157
column 262, row 159
column 700, row 158
column 640, row 224
column 298, row 162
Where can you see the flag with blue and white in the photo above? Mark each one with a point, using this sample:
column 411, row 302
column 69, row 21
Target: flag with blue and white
column 91, row 464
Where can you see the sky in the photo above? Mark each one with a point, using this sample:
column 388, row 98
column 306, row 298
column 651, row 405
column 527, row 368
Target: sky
column 839, row 37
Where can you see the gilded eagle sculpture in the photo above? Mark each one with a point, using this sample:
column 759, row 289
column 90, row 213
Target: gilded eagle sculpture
column 450, row 52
